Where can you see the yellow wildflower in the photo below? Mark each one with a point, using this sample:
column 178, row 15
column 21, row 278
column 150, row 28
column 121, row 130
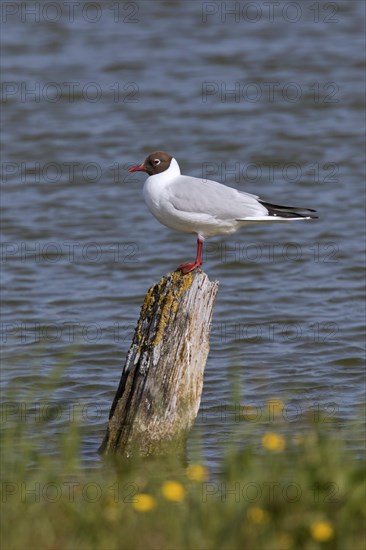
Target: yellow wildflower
column 144, row 502
column 173, row 490
column 273, row 442
column 321, row 530
column 255, row 514
column 197, row 472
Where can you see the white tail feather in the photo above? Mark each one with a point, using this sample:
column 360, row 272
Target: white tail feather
column 271, row 219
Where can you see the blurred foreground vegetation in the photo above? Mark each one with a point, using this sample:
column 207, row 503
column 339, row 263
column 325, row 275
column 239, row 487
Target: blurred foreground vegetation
column 278, row 492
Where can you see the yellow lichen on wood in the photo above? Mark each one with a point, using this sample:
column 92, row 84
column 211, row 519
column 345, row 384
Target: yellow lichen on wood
column 165, row 314
column 170, row 301
column 148, row 302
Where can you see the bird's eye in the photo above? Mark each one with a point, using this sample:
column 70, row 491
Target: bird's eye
column 156, row 162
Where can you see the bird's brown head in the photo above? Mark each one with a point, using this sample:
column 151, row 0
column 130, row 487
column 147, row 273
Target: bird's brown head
column 155, row 163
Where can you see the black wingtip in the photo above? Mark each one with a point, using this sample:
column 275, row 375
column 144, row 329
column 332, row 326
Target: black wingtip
column 288, row 211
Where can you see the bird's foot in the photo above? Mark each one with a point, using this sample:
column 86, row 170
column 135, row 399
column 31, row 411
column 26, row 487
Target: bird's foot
column 189, row 266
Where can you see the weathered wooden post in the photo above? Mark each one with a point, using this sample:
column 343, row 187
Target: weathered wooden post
column 160, row 390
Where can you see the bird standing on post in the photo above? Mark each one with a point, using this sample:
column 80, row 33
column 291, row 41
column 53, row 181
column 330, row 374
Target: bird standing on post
column 206, row 208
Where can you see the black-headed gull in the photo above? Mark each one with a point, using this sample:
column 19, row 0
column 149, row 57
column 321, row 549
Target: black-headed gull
column 204, row 207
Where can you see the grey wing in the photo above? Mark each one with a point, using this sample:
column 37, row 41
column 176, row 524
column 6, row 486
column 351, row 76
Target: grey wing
column 194, row 195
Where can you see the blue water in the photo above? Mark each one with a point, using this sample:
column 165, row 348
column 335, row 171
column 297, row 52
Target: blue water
column 268, row 102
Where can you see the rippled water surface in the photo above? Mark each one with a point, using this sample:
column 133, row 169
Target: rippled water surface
column 268, row 102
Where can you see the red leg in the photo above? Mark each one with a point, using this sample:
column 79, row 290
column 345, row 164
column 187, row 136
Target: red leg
column 190, row 266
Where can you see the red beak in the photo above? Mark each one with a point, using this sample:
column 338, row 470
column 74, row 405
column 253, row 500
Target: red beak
column 138, row 168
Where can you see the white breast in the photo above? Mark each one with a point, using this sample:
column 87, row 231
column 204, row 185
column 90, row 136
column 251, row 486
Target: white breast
column 155, row 187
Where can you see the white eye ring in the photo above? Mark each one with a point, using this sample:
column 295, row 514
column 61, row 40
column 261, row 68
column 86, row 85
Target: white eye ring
column 156, row 162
